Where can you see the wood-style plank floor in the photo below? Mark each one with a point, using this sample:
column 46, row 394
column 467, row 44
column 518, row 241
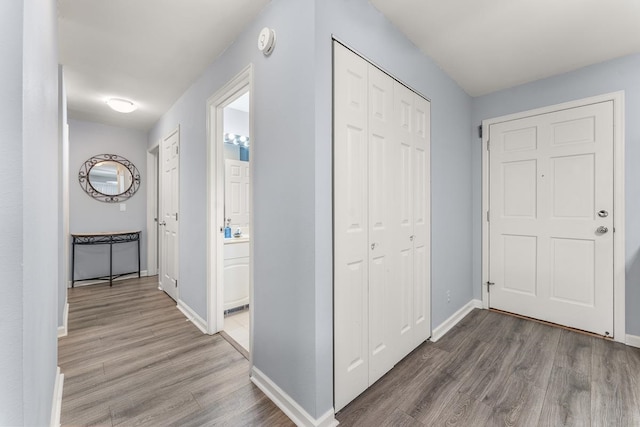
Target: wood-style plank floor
column 131, row 358
column 497, row 370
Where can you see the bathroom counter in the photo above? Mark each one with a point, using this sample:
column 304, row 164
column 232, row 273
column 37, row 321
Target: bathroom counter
column 233, row 240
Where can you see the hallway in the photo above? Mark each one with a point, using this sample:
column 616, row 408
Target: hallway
column 131, row 358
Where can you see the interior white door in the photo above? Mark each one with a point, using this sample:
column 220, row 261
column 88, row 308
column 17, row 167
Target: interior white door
column 551, row 217
column 351, row 227
column 236, row 194
column 169, row 194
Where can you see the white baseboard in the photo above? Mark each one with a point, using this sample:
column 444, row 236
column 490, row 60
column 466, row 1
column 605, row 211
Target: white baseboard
column 445, row 326
column 62, row 330
column 290, row 407
column 56, row 405
column 633, row 340
column 143, row 273
column 193, row 316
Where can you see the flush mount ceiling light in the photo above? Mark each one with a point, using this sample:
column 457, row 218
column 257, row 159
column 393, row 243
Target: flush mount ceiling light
column 121, row 105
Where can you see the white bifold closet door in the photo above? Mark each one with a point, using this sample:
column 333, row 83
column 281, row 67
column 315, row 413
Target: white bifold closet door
column 381, row 223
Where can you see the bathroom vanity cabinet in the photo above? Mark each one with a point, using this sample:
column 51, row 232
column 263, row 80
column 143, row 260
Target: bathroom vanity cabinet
column 236, row 273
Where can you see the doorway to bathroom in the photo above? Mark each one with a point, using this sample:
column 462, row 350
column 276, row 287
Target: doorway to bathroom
column 230, row 240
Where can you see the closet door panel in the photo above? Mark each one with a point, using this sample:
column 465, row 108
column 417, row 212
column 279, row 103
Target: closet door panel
column 404, row 216
column 421, row 220
column 381, row 291
column 351, row 228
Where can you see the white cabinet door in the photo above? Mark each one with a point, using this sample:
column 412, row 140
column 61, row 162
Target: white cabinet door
column 550, row 175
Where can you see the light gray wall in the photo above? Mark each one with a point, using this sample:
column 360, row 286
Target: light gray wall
column 283, row 199
column 87, row 139
column 40, row 144
column 366, row 30
column 293, row 331
column 11, row 213
column 611, row 76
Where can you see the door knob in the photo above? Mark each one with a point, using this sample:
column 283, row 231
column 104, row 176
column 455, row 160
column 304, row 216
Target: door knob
column 373, row 246
column 602, row 229
column 411, row 238
column 162, row 223
column 603, row 213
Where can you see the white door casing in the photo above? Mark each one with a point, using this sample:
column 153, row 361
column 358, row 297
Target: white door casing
column 381, row 233
column 169, row 212
column 234, row 89
column 237, row 197
column 548, row 173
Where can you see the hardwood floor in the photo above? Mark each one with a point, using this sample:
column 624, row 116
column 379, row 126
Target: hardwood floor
column 131, row 358
column 497, row 370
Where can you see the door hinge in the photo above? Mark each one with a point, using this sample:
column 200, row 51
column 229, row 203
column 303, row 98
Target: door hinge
column 176, row 149
column 480, row 131
column 489, row 285
column 176, row 283
column 488, row 145
column 487, row 216
column 176, row 216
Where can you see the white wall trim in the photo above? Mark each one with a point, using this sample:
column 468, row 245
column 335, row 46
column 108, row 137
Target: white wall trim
column 619, row 282
column 56, row 405
column 456, row 317
column 62, row 330
column 633, row 341
column 143, row 273
column 290, row 407
column 193, row 317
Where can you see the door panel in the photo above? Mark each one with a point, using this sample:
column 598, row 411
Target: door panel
column 236, row 194
column 169, row 194
column 351, row 276
column 380, row 192
column 549, row 175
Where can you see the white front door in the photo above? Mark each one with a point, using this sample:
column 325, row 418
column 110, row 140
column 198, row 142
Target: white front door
column 169, row 215
column 551, row 217
column 236, row 195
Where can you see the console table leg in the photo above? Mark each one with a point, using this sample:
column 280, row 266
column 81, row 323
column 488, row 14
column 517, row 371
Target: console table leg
column 73, row 262
column 111, row 264
column 138, row 257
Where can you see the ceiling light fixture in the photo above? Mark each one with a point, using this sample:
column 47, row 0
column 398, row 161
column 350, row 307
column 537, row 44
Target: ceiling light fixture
column 121, row 105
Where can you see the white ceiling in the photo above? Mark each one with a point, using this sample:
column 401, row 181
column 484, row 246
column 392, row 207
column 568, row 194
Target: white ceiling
column 488, row 45
column 150, row 51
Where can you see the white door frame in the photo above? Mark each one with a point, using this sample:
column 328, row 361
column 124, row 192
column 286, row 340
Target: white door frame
column 619, row 331
column 153, row 157
column 240, row 84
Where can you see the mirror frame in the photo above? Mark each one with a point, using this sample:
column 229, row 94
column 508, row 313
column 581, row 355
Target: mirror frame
column 83, row 177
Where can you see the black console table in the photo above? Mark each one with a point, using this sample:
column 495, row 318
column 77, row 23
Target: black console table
column 103, row 239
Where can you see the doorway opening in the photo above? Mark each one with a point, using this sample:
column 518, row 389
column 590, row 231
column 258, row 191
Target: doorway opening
column 230, row 237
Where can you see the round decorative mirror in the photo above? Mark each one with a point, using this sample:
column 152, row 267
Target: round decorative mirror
column 109, row 178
